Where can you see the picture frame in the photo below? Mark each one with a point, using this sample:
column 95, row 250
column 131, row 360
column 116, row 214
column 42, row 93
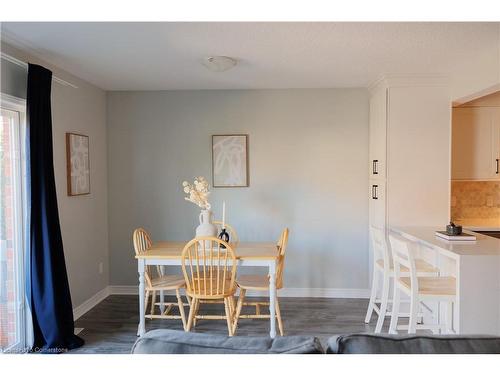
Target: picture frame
column 230, row 166
column 77, row 164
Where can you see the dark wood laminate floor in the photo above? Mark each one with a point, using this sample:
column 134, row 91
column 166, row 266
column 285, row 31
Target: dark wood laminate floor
column 111, row 326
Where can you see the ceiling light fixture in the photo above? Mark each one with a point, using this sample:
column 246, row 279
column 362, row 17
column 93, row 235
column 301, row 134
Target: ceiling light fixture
column 219, row 63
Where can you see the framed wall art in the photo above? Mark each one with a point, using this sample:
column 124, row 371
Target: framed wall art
column 230, row 160
column 77, row 164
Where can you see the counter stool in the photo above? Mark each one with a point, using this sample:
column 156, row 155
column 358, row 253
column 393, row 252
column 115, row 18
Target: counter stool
column 419, row 288
column 383, row 267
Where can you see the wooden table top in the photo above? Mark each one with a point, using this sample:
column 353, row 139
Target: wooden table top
column 244, row 250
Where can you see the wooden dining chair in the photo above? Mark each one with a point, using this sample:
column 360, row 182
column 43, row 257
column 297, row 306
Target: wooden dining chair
column 233, row 240
column 209, row 268
column 261, row 282
column 142, row 242
column 233, row 236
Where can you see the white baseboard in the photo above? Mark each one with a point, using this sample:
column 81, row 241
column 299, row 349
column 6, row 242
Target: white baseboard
column 90, row 303
column 123, row 289
column 285, row 292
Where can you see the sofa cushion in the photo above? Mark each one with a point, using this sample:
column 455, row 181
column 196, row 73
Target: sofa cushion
column 164, row 341
column 411, row 344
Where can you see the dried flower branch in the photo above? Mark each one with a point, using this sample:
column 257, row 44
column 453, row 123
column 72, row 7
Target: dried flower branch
column 198, row 192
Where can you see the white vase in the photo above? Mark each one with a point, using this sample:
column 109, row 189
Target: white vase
column 206, row 228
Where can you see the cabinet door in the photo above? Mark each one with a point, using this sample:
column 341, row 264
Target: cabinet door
column 418, row 156
column 378, row 132
column 495, row 119
column 376, row 213
column 475, row 139
column 376, row 207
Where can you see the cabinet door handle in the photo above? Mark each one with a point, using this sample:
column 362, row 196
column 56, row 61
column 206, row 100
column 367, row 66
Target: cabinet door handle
column 374, row 192
column 375, row 167
column 496, row 161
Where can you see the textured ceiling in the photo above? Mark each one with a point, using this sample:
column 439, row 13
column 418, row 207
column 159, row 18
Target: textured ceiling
column 166, row 56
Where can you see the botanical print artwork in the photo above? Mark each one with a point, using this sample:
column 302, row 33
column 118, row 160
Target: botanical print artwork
column 78, row 164
column 229, row 154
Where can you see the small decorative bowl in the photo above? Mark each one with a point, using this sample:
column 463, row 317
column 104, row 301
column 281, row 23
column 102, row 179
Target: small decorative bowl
column 453, row 230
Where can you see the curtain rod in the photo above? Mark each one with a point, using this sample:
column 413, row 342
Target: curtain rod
column 25, row 65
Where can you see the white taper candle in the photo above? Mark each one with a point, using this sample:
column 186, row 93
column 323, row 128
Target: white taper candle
column 223, row 214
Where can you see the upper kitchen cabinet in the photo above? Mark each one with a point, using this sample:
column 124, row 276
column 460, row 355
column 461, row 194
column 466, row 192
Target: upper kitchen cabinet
column 475, row 143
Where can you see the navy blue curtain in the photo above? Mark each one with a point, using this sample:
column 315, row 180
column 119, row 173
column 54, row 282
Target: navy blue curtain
column 51, row 306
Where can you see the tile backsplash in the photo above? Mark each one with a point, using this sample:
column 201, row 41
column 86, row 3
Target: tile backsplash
column 475, row 203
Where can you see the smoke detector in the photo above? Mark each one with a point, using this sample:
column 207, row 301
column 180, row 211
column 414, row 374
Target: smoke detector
column 219, row 63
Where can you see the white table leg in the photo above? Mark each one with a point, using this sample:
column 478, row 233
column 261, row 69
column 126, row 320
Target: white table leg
column 272, row 299
column 142, row 322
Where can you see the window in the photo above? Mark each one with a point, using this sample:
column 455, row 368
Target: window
column 12, row 224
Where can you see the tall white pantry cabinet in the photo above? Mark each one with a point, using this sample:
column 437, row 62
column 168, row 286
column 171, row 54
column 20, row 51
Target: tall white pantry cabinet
column 409, row 166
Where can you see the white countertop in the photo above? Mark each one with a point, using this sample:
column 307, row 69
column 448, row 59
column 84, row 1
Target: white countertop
column 483, row 246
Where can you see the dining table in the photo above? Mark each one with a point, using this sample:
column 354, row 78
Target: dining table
column 248, row 254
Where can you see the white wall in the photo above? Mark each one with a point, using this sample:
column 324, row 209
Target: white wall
column 477, row 74
column 84, row 224
column 308, row 171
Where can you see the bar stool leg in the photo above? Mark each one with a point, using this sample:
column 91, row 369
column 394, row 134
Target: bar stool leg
column 373, row 295
column 449, row 317
column 436, row 314
column 383, row 304
column 395, row 311
column 412, row 326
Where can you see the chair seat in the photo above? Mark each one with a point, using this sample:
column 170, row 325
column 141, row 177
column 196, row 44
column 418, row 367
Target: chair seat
column 421, row 266
column 205, row 295
column 207, row 292
column 255, row 282
column 167, row 282
column 433, row 286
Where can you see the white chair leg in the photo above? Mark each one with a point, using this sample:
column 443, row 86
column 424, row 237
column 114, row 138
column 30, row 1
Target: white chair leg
column 383, row 304
column 449, row 317
column 437, row 329
column 395, row 310
column 373, row 296
column 412, row 326
column 153, row 301
column 162, row 301
column 146, row 300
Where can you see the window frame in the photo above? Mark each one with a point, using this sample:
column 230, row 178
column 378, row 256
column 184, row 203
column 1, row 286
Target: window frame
column 18, row 105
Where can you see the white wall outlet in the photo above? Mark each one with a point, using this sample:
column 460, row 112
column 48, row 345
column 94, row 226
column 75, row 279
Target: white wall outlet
column 101, row 268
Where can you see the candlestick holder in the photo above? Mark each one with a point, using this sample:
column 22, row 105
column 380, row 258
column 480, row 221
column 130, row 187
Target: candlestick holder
column 224, row 236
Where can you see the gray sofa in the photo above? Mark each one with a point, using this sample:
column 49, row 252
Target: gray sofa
column 411, row 344
column 163, row 341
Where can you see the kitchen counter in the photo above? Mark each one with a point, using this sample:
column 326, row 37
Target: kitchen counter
column 484, row 245
column 476, row 268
